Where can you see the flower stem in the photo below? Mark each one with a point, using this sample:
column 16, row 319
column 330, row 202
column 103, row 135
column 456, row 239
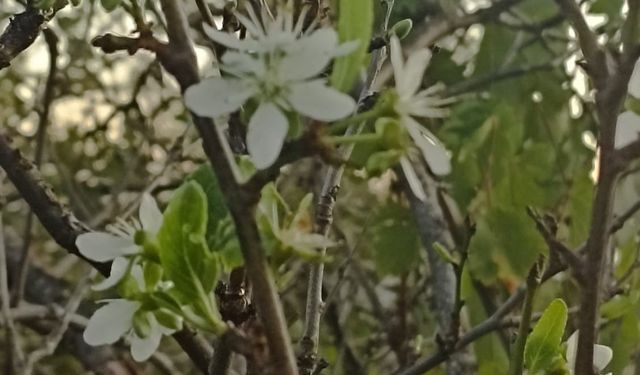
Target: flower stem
column 340, row 126
column 355, row 138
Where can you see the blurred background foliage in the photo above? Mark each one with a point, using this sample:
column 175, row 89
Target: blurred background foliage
column 520, row 134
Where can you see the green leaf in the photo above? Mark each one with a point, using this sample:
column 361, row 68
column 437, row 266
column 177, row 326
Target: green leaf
column 444, row 253
column 181, row 240
column 627, row 254
column 611, row 8
column 217, row 208
column 395, row 240
column 544, row 342
column 110, row 5
column 625, row 343
column 355, row 22
column 580, row 196
column 505, row 245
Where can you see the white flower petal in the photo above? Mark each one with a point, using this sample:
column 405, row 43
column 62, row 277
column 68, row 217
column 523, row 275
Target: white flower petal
column 409, row 82
column 110, row 322
column 602, row 355
column 346, row 48
column 241, row 63
column 412, row 179
column 138, row 275
column 433, row 151
column 627, row 129
column 103, row 247
column 150, row 214
column 320, row 102
column 229, row 40
column 266, row 133
column 572, row 350
column 395, row 54
column 119, row 269
column 216, row 96
column 143, row 348
column 307, row 57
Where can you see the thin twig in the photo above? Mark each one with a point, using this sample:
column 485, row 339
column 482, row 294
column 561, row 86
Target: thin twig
column 23, row 266
column 13, row 343
column 53, row 339
column 307, row 359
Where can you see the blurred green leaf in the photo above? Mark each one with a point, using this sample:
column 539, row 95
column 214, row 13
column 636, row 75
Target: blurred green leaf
column 625, row 343
column 395, row 240
column 110, row 5
column 355, row 23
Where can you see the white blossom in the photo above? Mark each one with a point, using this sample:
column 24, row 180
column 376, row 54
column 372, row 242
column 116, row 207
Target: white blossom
column 412, row 103
column 116, row 319
column 120, row 245
column 602, row 354
column 277, row 66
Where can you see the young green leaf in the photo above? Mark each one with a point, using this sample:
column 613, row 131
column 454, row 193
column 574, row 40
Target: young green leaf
column 181, row 239
column 355, row 23
column 544, row 342
column 110, row 5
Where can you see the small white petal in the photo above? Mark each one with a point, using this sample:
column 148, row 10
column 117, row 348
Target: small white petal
column 412, row 179
column 395, row 54
column 119, row 269
column 602, row 355
column 627, row 129
column 103, row 247
column 229, row 40
column 346, row 48
column 150, row 214
column 216, row 96
column 143, row 348
column 110, row 322
column 307, row 57
column 572, row 350
column 266, row 133
column 433, row 151
column 408, row 83
column 241, row 63
column 320, row 102
column 138, row 275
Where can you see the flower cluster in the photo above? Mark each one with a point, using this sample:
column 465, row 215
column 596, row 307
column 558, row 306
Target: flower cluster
column 123, row 317
column 277, row 71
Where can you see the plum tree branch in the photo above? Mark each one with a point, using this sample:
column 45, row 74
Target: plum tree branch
column 180, row 61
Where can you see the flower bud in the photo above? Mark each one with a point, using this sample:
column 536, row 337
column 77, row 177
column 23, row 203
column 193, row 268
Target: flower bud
column 401, row 28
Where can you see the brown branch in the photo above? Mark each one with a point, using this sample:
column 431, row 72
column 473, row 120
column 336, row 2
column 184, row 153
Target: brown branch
column 611, row 85
column 22, row 31
column 592, row 51
column 180, row 61
column 494, row 322
column 65, row 228
column 555, row 245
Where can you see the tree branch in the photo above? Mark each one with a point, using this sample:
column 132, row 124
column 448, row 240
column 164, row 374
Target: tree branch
column 180, row 61
column 22, row 31
column 592, row 51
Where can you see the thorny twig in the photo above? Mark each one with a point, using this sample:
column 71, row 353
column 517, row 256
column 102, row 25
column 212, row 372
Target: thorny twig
column 308, row 357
